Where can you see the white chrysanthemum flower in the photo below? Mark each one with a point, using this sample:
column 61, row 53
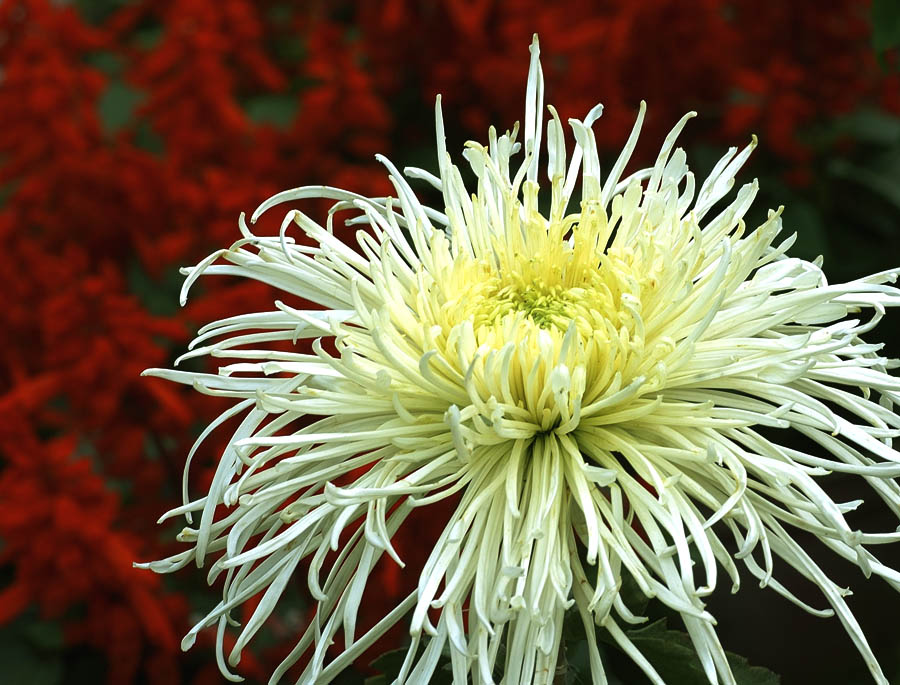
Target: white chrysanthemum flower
column 598, row 386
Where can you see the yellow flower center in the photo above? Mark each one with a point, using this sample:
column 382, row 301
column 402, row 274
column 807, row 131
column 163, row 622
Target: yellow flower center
column 540, row 315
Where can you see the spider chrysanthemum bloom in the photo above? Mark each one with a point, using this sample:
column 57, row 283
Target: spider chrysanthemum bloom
column 601, row 388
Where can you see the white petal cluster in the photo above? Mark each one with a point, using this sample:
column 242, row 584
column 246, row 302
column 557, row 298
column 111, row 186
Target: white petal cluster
column 601, row 388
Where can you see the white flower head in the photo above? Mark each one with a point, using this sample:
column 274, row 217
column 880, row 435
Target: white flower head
column 601, row 386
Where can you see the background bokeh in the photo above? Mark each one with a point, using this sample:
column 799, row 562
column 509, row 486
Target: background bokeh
column 132, row 134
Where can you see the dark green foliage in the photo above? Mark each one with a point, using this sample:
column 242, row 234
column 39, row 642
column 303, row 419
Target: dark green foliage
column 885, row 24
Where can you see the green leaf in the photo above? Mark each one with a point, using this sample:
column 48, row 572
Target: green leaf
column 147, row 139
column 672, row 654
column 159, row 295
column 632, row 595
column 869, row 125
column 878, row 183
column 110, row 63
column 885, row 24
column 30, row 652
column 97, row 11
column 805, row 218
column 117, row 105
column 149, row 37
column 390, row 662
column 278, row 110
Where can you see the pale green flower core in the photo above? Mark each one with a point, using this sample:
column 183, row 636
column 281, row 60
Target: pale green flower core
column 572, row 378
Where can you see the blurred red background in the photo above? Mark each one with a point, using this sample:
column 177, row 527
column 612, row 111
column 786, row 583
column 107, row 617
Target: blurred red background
column 133, row 133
